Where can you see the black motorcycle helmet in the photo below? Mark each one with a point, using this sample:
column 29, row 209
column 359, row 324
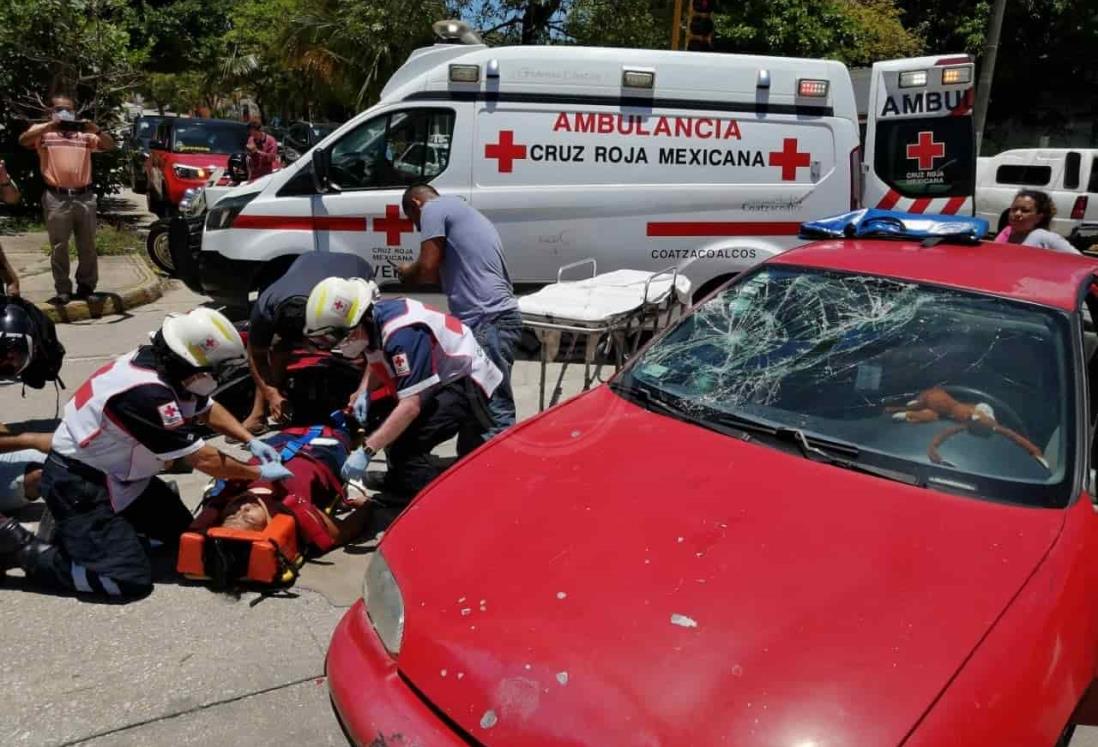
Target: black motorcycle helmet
column 238, row 167
column 16, row 341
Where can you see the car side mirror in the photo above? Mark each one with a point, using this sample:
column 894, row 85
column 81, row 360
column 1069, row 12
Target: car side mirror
column 322, row 170
column 157, row 145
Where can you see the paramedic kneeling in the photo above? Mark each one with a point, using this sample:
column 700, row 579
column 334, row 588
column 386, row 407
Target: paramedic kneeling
column 442, row 376
column 280, row 310
column 122, row 427
column 461, row 249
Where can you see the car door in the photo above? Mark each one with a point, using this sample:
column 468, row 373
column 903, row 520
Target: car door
column 362, row 212
column 155, row 164
column 920, row 151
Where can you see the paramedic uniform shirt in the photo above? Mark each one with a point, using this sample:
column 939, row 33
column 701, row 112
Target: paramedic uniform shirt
column 127, row 423
column 300, row 279
column 474, row 276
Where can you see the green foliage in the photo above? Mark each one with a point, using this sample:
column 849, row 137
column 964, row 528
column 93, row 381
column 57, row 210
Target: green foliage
column 81, row 47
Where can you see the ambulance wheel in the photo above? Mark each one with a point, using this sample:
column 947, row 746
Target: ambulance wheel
column 156, row 245
column 709, row 286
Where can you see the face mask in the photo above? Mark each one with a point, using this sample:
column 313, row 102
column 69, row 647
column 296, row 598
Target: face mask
column 203, row 385
column 352, row 348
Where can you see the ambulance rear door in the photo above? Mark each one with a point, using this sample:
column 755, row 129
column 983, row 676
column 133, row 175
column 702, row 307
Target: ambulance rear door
column 920, row 147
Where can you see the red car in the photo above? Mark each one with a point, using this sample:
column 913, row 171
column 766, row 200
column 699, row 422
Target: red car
column 847, row 500
column 183, row 154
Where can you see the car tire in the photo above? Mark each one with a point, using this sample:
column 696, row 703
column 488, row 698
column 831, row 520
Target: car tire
column 157, row 247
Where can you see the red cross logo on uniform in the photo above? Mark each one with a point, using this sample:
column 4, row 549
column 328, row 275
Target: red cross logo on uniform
column 170, row 410
column 505, row 151
column 790, row 159
column 338, row 304
column 392, row 225
column 926, row 151
column 209, row 343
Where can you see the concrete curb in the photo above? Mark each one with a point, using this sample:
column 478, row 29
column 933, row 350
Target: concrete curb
column 149, row 289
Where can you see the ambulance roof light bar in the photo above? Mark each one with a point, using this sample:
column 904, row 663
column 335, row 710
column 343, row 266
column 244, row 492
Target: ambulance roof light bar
column 638, row 77
column 812, row 88
column 913, row 79
column 452, row 31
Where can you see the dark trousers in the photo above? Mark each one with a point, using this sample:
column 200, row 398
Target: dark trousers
column 498, row 335
column 456, row 409
column 96, row 550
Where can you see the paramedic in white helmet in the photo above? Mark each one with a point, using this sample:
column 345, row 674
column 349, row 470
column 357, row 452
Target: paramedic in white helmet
column 123, row 426
column 443, row 378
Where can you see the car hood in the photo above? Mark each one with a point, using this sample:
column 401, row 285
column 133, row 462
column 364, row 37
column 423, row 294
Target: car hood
column 607, row 575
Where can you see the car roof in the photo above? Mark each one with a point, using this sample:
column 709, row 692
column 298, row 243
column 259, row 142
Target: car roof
column 208, row 120
column 1017, row 272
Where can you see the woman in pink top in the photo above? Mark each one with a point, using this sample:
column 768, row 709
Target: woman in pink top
column 1030, row 216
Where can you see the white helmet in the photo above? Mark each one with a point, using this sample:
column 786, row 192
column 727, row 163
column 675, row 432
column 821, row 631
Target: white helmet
column 337, row 305
column 203, row 338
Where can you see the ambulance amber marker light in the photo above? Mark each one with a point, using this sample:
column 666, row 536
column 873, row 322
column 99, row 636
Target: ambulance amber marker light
column 638, row 79
column 465, row 73
column 814, row 88
column 951, row 75
column 913, row 79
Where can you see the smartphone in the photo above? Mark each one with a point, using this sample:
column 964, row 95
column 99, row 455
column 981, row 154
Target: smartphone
column 76, row 125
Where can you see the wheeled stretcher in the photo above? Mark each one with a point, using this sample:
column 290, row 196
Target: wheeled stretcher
column 611, row 311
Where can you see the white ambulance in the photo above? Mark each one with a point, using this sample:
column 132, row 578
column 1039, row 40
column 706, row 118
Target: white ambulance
column 638, row 158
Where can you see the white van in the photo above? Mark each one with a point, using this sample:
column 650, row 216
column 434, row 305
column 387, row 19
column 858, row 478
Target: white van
column 1068, row 175
column 639, row 158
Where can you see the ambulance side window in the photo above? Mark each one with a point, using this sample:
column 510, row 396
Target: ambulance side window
column 394, row 150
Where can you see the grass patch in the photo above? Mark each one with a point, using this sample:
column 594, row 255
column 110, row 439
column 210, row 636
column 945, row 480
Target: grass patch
column 110, row 241
column 12, row 225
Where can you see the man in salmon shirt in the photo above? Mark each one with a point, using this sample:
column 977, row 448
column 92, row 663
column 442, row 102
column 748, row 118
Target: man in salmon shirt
column 64, row 146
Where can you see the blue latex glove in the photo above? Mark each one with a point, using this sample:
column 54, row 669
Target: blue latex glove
column 274, row 471
column 361, row 407
column 355, row 466
column 264, row 452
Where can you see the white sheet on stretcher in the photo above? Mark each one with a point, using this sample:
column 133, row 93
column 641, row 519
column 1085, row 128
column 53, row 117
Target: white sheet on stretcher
column 602, row 298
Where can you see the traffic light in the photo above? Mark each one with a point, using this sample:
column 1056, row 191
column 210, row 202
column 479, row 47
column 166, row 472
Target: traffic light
column 699, row 26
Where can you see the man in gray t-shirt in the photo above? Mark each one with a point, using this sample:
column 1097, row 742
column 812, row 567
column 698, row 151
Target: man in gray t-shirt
column 461, row 250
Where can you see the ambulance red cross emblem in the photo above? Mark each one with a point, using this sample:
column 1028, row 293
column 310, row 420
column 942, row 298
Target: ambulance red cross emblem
column 926, row 150
column 392, row 225
column 506, row 151
column 789, row 159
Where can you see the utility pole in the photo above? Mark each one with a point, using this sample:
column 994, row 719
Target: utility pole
column 987, row 70
column 676, row 24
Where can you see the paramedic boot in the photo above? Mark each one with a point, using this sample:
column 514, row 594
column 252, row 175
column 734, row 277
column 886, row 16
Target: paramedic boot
column 18, row 545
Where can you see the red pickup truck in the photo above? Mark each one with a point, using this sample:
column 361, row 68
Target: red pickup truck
column 183, row 154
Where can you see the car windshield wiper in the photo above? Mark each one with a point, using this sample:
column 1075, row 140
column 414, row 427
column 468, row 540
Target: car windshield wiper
column 811, row 448
column 819, row 449
column 651, row 398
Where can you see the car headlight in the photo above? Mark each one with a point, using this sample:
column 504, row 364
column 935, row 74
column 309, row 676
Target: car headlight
column 195, row 204
column 384, row 603
column 223, row 213
column 190, row 172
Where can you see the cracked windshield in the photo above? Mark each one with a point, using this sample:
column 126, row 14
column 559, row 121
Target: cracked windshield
column 949, row 388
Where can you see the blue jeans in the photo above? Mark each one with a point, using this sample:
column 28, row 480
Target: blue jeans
column 498, row 335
